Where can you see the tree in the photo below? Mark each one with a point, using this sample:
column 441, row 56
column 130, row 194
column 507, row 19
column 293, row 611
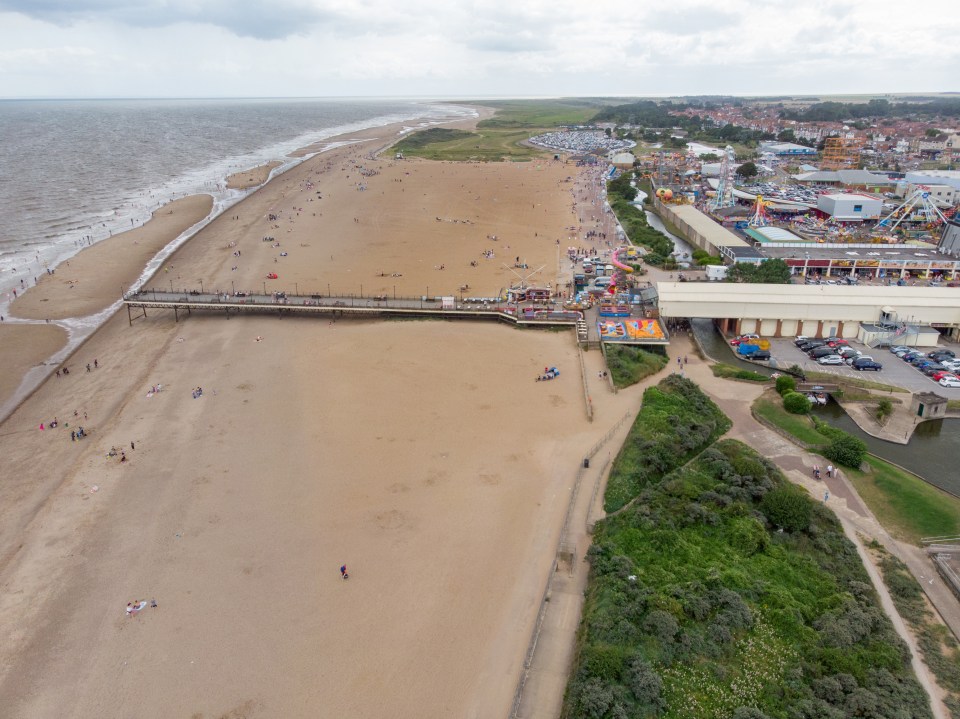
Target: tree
column 769, row 272
column 786, row 136
column 796, row 403
column 710, row 157
column 786, row 383
column 747, row 170
column 847, row 450
column 884, row 409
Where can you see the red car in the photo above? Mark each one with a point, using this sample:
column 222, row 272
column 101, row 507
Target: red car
column 837, row 343
column 743, row 338
column 937, row 376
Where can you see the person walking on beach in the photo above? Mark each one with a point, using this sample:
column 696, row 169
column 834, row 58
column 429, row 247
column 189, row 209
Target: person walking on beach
column 343, row 572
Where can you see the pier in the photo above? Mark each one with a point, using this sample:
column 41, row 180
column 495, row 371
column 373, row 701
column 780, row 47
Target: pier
column 282, row 304
column 592, row 327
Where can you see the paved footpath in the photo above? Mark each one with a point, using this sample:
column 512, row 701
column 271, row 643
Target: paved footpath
column 543, row 694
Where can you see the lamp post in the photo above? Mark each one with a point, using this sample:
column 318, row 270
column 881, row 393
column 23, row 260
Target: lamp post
column 201, row 286
column 171, row 285
column 296, row 288
column 232, row 288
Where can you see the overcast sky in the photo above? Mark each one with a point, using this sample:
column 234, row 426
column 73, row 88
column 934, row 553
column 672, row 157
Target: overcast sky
column 466, row 48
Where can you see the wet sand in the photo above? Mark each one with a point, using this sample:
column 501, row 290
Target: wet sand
column 23, row 347
column 92, row 280
column 251, row 178
column 421, row 454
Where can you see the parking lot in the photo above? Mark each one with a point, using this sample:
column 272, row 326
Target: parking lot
column 895, row 371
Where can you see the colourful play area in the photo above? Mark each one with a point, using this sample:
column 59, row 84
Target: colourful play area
column 632, row 331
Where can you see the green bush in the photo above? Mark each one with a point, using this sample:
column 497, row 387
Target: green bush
column 846, row 450
column 628, row 365
column 786, row 383
column 787, row 507
column 796, row 403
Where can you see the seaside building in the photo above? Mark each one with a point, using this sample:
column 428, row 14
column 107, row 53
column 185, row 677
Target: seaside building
column 874, row 314
column 846, row 207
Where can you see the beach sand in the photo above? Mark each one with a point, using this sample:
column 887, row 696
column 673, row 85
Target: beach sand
column 420, row 453
column 251, row 178
column 92, row 280
column 23, row 347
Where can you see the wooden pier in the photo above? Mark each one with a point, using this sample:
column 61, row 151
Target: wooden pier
column 282, row 304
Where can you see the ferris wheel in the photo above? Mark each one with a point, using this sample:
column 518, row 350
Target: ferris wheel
column 918, row 202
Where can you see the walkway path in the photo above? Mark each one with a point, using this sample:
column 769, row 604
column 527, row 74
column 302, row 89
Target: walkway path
column 552, row 662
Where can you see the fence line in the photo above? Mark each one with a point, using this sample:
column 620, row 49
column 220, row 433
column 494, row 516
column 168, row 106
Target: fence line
column 586, row 389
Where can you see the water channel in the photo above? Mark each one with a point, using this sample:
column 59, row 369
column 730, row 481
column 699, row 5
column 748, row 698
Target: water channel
column 934, row 445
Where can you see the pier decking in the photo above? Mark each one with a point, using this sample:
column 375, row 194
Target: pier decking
column 377, row 306
column 530, row 314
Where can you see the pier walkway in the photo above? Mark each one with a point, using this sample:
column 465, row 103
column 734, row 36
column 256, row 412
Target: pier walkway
column 281, row 304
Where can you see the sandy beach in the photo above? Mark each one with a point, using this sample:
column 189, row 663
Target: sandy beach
column 421, row 454
column 254, row 177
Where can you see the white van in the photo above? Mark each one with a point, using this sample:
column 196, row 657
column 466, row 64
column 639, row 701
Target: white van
column 603, row 281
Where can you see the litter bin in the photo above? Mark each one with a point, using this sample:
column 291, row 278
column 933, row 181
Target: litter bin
column 586, row 463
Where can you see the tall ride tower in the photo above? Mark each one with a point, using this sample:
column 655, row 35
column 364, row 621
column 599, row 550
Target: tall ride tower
column 724, row 196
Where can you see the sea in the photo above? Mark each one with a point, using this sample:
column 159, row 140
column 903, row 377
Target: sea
column 75, row 172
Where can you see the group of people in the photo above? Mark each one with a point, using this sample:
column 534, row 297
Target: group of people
column 831, row 471
column 138, row 605
column 198, row 392
column 548, row 374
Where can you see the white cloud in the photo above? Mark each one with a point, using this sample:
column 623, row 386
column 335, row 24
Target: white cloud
column 437, row 47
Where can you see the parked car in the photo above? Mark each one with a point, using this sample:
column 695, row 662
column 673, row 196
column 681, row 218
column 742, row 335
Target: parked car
column 902, row 352
column 948, row 382
column 862, row 365
column 941, row 355
column 916, row 358
column 818, row 352
column 857, row 359
column 931, row 369
column 830, row 359
column 846, row 352
column 758, row 355
column 937, row 376
column 836, row 342
column 807, row 346
column 743, row 338
column 800, row 339
column 899, row 348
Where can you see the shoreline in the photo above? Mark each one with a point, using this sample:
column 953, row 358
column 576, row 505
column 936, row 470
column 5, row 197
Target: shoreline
column 82, row 326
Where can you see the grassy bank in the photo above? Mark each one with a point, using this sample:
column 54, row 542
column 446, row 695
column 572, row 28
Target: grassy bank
column 488, row 145
column 851, row 382
column 908, row 507
column 675, row 422
column 939, row 648
column 629, row 365
column 721, row 369
column 700, row 607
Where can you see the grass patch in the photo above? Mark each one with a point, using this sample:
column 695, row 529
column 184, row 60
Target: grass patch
column 628, row 365
column 908, row 507
column 535, row 114
column 770, row 407
column 488, row 145
column 721, row 369
column 953, row 405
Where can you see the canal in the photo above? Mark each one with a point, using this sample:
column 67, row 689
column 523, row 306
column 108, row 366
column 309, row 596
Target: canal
column 934, row 445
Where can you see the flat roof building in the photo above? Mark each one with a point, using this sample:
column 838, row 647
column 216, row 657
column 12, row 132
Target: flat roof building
column 850, row 207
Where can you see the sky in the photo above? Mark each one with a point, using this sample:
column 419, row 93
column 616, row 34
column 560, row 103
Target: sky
column 474, row 48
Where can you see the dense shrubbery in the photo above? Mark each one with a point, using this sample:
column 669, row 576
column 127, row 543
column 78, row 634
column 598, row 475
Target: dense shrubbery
column 698, row 608
column 844, row 448
column 785, row 384
column 628, row 364
column 796, row 403
column 423, row 138
column 676, row 421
